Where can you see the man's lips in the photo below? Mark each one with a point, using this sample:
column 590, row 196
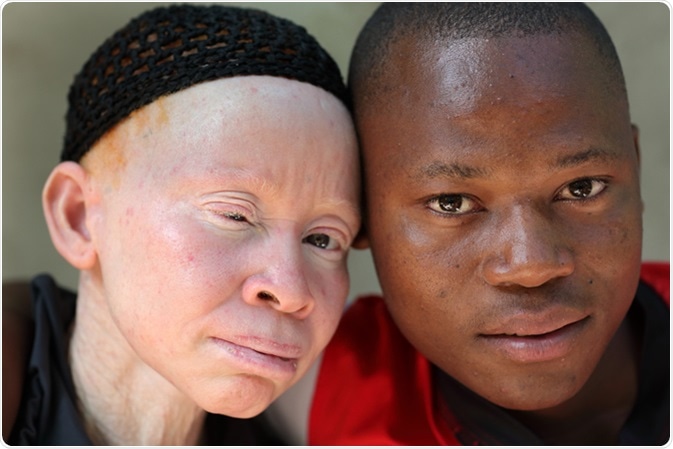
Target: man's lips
column 536, row 338
column 529, row 324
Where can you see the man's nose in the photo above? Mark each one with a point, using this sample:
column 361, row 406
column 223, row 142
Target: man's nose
column 527, row 249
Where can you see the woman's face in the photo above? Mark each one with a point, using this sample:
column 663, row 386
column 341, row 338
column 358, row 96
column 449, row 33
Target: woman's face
column 225, row 214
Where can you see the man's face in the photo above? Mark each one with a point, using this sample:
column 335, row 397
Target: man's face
column 224, row 223
column 504, row 211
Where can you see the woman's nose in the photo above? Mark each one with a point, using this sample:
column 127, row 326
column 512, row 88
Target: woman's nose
column 281, row 281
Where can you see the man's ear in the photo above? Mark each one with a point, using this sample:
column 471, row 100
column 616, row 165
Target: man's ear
column 361, row 240
column 64, row 201
column 636, row 139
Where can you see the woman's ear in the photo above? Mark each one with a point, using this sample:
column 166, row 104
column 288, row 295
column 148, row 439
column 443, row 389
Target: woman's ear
column 64, row 201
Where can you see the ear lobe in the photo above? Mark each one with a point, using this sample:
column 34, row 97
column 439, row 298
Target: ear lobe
column 64, row 202
column 361, row 240
column 636, row 140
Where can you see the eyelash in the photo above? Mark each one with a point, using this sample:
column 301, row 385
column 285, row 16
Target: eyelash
column 434, row 202
column 235, row 216
column 602, row 182
column 332, row 240
column 232, row 214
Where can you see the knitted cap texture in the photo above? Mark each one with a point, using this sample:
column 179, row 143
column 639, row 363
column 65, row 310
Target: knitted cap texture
column 172, row 48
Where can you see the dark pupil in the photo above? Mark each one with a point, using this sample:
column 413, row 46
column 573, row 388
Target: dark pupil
column 450, row 203
column 581, row 189
column 319, row 240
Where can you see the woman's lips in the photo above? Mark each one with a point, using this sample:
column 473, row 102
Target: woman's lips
column 261, row 357
column 536, row 341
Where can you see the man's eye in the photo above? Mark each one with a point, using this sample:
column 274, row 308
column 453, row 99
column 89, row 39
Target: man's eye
column 582, row 189
column 322, row 241
column 453, row 204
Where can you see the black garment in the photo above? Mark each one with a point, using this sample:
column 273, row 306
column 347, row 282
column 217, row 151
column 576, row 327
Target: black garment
column 48, row 414
column 648, row 423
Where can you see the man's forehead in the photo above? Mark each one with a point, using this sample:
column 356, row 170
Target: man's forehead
column 486, row 90
column 475, row 57
column 460, row 71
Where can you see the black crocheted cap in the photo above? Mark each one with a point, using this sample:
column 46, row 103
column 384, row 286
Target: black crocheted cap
column 168, row 49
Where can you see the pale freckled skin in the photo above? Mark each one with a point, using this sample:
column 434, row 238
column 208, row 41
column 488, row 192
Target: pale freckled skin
column 202, row 247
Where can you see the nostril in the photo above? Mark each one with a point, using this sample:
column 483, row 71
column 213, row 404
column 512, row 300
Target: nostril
column 266, row 296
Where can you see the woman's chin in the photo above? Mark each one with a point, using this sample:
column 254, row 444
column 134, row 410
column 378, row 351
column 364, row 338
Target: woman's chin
column 244, row 398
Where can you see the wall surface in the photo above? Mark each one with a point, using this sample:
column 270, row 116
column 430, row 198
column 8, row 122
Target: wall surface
column 43, row 45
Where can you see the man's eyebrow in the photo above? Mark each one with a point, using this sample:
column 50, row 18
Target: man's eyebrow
column 451, row 170
column 592, row 154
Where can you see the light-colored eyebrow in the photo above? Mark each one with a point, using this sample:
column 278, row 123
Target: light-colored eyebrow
column 592, row 154
column 451, row 170
column 349, row 213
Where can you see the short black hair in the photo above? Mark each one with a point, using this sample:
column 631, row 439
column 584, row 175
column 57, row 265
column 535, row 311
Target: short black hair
column 452, row 20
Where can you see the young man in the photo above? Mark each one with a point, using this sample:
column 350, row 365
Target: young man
column 504, row 216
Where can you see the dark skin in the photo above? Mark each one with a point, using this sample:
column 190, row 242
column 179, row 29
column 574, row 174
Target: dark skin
column 505, row 222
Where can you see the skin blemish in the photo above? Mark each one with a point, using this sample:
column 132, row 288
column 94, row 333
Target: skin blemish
column 625, row 236
column 107, row 157
column 162, row 118
column 147, row 119
column 126, row 219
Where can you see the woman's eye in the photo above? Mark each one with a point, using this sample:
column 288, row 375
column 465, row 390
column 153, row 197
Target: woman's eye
column 235, row 216
column 229, row 216
column 453, row 204
column 582, row 189
column 322, row 241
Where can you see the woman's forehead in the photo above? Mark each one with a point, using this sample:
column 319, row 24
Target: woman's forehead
column 273, row 128
column 243, row 108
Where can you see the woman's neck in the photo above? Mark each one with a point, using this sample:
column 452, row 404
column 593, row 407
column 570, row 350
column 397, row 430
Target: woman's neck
column 121, row 399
